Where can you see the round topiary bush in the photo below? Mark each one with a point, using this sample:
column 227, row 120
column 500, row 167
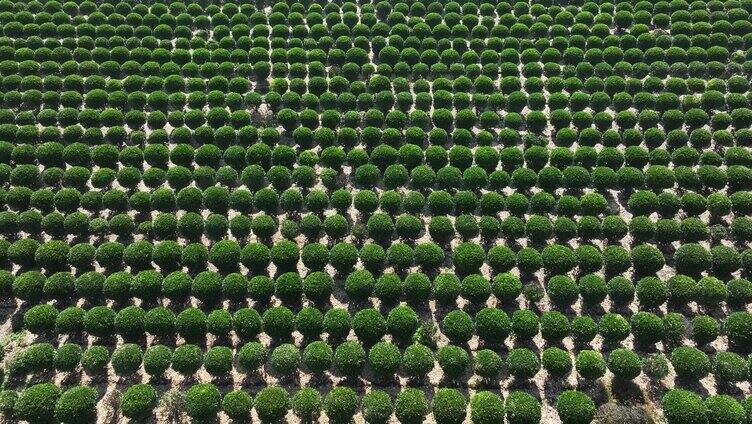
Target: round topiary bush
column 458, row 326
column 36, row 404
column 556, row 361
column 278, row 322
column 690, row 363
column 558, row 259
column 306, row 404
column 237, row 404
column 682, row 406
column 575, row 407
column 590, row 364
column 341, row 404
column 522, row 408
column 203, row 402
column 486, row 408
column 724, row 409
column 453, row 360
column 449, row 406
column 624, row 364
column 272, row 403
column 77, row 405
column 692, row 259
column 522, row 363
column 731, row 367
column 411, row 406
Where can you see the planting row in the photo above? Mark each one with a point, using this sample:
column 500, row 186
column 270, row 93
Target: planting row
column 46, row 402
column 538, row 228
column 467, row 258
column 492, row 326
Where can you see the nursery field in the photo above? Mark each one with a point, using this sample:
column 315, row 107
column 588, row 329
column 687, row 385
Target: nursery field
column 465, row 211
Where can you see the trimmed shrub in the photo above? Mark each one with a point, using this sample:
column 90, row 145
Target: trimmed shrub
column 449, row 406
column 731, row 367
column 306, row 404
column 77, row 405
column 556, row 361
column 376, row 407
column 590, row 364
column 523, row 363
column 724, row 409
column 237, row 404
column 341, row 404
column 458, row 326
column 522, row 408
column 272, row 403
column 486, row 408
column 682, row 406
column 690, row 363
column 655, row 366
column 575, row 407
column 36, row 404
column 349, row 358
column 625, row 364
column 411, row 406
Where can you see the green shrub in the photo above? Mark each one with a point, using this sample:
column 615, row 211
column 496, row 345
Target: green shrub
column 376, row 407
column 554, row 326
column 624, row 364
column 646, row 327
column 77, row 405
column 724, row 409
column 655, row 366
column 705, row 329
column 449, row 406
column 341, row 404
column 523, row 363
column 306, row 404
column 453, row 360
column 417, row 360
column 468, row 258
column 402, row 322
column 251, row 356
column 682, row 406
column 590, row 364
column 690, row 363
column 486, row 408
column 272, row 403
column 575, row 407
column 731, row 367
column 278, row 322
column 40, row 319
column 237, row 404
column 522, row 408
column 411, row 406
column 556, row 361
column 36, row 404
column 218, row 361
column 285, row 359
column 202, row 402
column 558, row 259
column 458, row 326
column 692, row 259
column 126, row 359
column 349, row 358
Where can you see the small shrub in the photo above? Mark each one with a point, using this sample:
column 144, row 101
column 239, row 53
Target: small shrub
column 341, row 404
column 411, row 406
column 690, row 363
column 682, row 406
column 77, row 405
column 625, row 364
column 522, row 408
column 575, row 407
column 449, row 406
column 486, row 408
column 272, row 403
column 237, row 404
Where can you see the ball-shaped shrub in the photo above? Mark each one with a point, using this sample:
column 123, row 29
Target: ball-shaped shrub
column 417, row 360
column 690, row 363
column 449, row 406
column 139, row 401
column 724, row 409
column 341, row 404
column 272, row 403
column 306, row 404
column 522, row 408
column 522, row 363
column 453, row 360
column 556, row 361
column 411, row 406
column 575, row 407
column 76, row 405
column 237, row 404
column 458, row 326
column 350, row 358
column 36, row 404
column 285, row 359
column 684, row 407
column 624, row 364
